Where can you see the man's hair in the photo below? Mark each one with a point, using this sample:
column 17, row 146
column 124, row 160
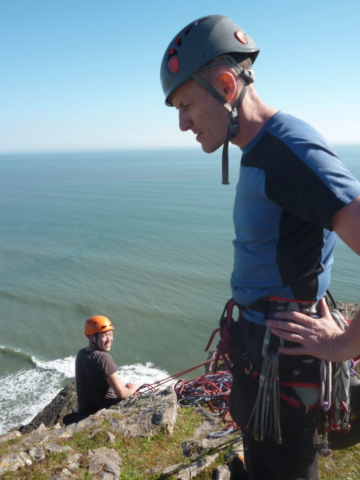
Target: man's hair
column 243, row 60
column 231, row 61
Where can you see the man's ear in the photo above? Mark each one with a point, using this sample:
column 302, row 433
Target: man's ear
column 227, row 83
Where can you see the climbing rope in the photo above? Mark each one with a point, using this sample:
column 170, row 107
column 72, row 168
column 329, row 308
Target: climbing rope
column 212, row 391
column 209, row 392
column 150, row 387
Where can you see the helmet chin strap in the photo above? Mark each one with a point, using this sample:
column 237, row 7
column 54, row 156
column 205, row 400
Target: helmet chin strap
column 249, row 77
column 95, row 343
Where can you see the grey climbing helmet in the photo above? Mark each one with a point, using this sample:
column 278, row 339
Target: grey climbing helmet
column 196, row 45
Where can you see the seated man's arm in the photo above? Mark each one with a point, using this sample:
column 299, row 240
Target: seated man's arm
column 120, row 390
column 321, row 337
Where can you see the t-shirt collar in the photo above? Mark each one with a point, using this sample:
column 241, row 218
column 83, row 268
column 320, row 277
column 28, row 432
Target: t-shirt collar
column 257, row 137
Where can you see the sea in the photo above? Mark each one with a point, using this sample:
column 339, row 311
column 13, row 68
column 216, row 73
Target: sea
column 141, row 236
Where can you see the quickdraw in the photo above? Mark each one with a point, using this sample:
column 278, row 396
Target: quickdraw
column 265, row 415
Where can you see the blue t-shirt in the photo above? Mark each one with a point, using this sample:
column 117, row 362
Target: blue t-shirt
column 291, row 185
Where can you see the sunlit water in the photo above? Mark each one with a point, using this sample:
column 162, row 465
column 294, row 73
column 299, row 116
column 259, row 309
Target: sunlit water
column 144, row 237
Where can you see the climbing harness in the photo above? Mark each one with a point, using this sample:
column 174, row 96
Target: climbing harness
column 332, row 394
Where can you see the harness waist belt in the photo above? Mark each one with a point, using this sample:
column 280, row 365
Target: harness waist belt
column 268, row 306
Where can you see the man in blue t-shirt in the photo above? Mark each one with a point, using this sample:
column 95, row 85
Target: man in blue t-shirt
column 293, row 198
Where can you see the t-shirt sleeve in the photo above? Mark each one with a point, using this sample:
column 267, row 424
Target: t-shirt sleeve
column 313, row 186
column 108, row 366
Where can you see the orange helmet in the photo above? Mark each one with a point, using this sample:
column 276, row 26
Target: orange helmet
column 97, row 324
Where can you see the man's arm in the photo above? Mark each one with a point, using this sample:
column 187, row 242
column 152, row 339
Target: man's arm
column 120, row 390
column 321, row 337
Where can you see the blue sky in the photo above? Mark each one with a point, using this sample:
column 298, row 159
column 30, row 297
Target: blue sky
column 84, row 74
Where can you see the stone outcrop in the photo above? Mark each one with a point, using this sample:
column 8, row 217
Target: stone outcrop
column 105, row 463
column 9, row 436
column 64, row 403
column 143, row 415
column 348, row 310
column 150, row 414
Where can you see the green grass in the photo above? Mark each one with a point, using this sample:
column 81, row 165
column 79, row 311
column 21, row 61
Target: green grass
column 140, row 455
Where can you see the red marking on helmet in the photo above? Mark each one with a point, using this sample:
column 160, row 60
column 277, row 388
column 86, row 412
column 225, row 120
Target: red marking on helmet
column 171, row 51
column 178, row 41
column 241, row 37
column 174, row 64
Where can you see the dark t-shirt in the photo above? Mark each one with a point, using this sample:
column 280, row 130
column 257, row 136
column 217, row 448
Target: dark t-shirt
column 92, row 368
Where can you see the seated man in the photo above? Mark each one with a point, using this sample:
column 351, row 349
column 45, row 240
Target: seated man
column 97, row 383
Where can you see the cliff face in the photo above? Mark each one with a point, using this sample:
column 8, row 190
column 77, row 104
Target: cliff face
column 143, row 437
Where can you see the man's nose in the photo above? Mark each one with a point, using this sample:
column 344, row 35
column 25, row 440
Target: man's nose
column 185, row 122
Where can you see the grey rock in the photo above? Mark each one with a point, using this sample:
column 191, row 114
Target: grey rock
column 210, row 424
column 191, row 471
column 64, row 475
column 30, row 440
column 11, row 461
column 170, row 469
column 41, row 428
column 237, row 449
column 73, row 466
column 150, row 414
column 25, row 458
column 67, row 472
column 37, row 453
column 223, row 472
column 95, row 432
column 194, row 448
column 64, row 403
column 74, row 458
column 54, row 447
column 9, row 436
column 114, row 424
column 110, row 437
column 105, row 463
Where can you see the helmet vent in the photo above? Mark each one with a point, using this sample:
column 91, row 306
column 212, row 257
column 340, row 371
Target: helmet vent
column 178, row 41
column 188, row 29
column 201, row 20
column 172, row 52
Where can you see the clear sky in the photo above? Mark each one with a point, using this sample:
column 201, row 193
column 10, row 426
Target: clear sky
column 84, row 74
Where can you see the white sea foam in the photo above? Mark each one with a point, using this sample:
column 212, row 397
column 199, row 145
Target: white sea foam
column 66, row 366
column 140, row 374
column 25, row 393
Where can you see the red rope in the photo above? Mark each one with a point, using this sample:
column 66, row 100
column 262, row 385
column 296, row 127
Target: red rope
column 150, row 387
column 211, row 389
